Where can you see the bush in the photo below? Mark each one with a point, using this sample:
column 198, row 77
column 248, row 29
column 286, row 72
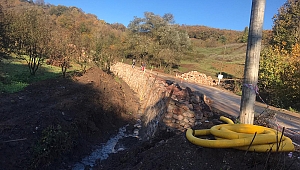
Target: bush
column 53, row 144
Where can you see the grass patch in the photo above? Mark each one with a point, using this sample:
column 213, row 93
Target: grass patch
column 293, row 110
column 211, row 61
column 210, row 51
column 205, row 66
column 15, row 76
column 14, row 86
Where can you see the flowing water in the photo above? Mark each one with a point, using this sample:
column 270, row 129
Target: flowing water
column 111, row 146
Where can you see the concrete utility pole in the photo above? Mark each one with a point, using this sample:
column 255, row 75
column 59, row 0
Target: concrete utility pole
column 252, row 62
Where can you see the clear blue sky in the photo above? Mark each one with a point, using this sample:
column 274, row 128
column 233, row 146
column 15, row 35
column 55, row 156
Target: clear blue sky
column 222, row 14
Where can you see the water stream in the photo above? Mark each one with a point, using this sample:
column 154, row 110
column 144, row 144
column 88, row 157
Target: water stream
column 111, row 146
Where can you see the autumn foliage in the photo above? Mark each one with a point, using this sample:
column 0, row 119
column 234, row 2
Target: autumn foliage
column 72, row 36
column 60, row 35
column 279, row 66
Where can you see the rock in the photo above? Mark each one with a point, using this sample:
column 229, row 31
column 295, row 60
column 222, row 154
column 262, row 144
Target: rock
column 195, row 99
column 189, row 91
column 169, row 115
column 191, row 120
column 197, row 107
column 135, row 132
column 208, row 114
column 172, row 103
column 167, row 120
column 170, row 107
column 198, row 115
column 194, row 76
column 191, row 107
column 190, row 114
column 182, row 105
column 207, row 101
column 175, row 116
column 203, row 119
column 192, row 124
column 169, row 124
column 180, row 117
column 177, row 111
column 186, row 120
column 187, row 126
column 198, row 123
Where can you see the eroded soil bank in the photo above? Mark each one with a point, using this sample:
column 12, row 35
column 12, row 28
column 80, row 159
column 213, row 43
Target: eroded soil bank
column 55, row 123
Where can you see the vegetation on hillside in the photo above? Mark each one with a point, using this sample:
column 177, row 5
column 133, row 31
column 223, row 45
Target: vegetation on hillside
column 40, row 33
column 70, row 35
column 279, row 65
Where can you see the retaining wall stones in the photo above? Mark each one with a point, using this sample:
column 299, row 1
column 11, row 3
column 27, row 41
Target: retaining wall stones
column 194, row 76
column 164, row 105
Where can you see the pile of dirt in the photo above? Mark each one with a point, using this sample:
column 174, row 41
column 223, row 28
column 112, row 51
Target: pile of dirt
column 55, row 123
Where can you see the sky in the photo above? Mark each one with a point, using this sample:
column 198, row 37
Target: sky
column 222, row 14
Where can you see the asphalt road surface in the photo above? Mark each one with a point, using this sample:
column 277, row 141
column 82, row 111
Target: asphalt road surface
column 229, row 103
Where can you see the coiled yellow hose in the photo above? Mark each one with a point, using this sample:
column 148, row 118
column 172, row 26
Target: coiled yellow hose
column 242, row 136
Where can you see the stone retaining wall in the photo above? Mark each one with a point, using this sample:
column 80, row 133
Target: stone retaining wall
column 164, row 105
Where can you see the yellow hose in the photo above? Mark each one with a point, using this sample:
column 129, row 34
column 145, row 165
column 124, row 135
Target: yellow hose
column 242, row 136
column 227, row 120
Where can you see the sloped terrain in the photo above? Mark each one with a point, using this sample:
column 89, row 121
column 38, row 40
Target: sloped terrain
column 55, row 123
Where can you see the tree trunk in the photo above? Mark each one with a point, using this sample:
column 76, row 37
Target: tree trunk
column 252, row 62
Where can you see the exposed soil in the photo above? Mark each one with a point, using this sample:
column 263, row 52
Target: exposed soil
column 89, row 108
column 55, row 123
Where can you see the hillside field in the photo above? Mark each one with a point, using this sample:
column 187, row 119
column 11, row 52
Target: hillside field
column 228, row 59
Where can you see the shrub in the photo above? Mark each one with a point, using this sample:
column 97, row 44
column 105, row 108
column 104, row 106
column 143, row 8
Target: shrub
column 53, row 144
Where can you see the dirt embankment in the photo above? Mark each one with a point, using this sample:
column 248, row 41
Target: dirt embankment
column 55, row 123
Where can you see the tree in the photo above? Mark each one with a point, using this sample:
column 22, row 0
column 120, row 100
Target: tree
column 39, row 2
column 58, row 10
column 286, row 28
column 61, row 49
column 118, row 26
column 252, row 62
column 244, row 37
column 30, row 36
column 154, row 37
column 279, row 77
column 279, row 66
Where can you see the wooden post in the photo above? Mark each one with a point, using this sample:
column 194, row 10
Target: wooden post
column 252, row 62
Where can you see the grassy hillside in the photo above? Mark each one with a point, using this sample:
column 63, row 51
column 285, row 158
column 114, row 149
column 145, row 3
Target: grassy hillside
column 228, row 59
column 14, row 73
